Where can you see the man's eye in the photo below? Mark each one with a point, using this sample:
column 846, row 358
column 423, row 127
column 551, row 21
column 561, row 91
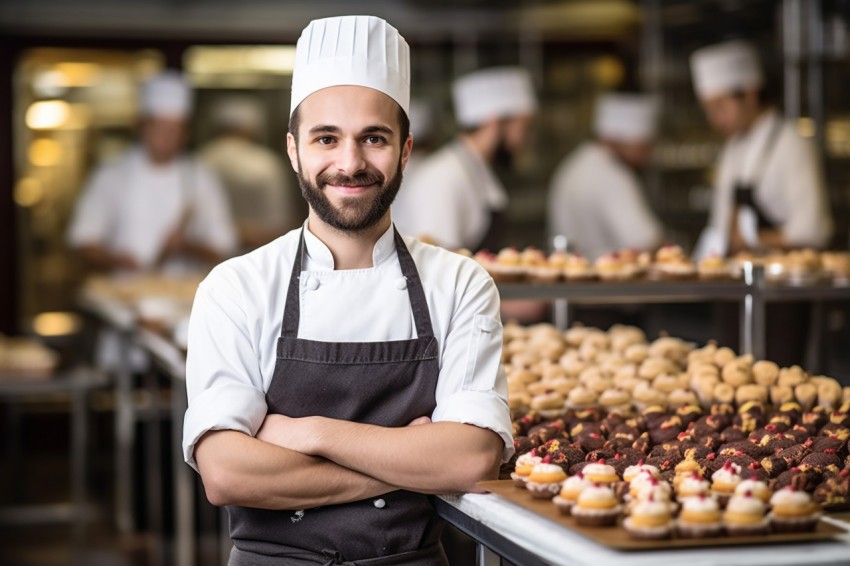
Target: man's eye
column 325, row 140
column 374, row 140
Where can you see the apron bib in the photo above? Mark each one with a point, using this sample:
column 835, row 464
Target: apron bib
column 381, row 383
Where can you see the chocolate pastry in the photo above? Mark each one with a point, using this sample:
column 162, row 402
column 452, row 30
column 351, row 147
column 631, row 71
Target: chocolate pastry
column 723, row 409
column 590, row 441
column 665, row 464
column 522, row 444
column 816, row 419
column 754, row 451
column 665, row 433
column 697, row 452
column 543, row 433
column 840, row 418
column 689, row 414
column 837, row 430
column 578, row 467
column 601, row 454
column 732, row 434
column 642, row 443
column 585, row 428
column 800, row 433
column 774, row 465
column 778, row 442
column 709, row 424
column 612, row 422
column 834, row 491
column 666, row 450
column 821, row 461
column 524, row 423
column 780, row 420
column 828, row 443
column 755, row 472
column 804, row 479
column 654, row 416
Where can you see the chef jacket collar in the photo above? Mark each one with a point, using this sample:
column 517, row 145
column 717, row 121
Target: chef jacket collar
column 320, row 257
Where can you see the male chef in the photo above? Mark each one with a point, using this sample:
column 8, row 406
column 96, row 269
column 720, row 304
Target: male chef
column 341, row 373
column 454, row 197
column 595, row 198
column 155, row 207
column 769, row 189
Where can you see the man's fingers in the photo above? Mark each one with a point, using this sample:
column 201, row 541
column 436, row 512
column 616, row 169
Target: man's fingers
column 419, row 421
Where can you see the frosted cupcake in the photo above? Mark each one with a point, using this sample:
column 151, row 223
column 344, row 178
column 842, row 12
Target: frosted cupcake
column 632, row 471
column 570, row 490
column 545, row 480
column 725, row 480
column 649, row 520
column 755, row 487
column 700, row 517
column 744, row 516
column 522, row 469
column 793, row 511
column 601, row 473
column 597, row 506
column 693, row 486
column 578, row 268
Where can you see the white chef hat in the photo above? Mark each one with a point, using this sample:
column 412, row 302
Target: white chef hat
column 625, row 117
column 351, row 50
column 238, row 112
column 166, row 94
column 725, row 68
column 497, row 92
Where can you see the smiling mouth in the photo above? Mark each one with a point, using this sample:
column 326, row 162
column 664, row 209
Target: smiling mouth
column 349, row 189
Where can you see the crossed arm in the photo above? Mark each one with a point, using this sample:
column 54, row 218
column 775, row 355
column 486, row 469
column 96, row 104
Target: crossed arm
column 313, row 461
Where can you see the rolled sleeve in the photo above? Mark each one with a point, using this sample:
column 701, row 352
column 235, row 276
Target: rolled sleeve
column 472, row 388
column 223, row 379
column 228, row 406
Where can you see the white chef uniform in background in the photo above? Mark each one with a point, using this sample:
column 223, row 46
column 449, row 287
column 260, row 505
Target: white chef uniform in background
column 595, row 198
column 452, row 195
column 132, row 205
column 261, row 188
column 782, row 167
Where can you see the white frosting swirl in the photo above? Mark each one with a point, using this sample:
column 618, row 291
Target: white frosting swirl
column 791, row 497
column 546, row 469
column 651, row 508
column 633, row 471
column 596, row 493
column 699, row 504
column 693, row 485
column 528, row 459
column 746, row 505
column 597, row 469
column 728, row 474
column 753, row 486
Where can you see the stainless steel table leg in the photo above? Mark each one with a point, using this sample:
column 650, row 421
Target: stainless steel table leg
column 184, row 483
column 79, row 456
column 125, row 438
column 486, row 557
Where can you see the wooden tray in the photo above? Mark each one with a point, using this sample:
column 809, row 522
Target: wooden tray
column 617, row 537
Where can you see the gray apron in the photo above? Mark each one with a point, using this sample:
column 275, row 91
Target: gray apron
column 381, row 383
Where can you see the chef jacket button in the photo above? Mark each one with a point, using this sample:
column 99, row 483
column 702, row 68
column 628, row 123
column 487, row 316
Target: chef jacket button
column 401, row 283
column 379, row 503
column 312, row 283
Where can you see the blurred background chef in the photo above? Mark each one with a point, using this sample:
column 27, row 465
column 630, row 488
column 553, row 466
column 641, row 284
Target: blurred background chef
column 454, row 198
column 259, row 188
column 769, row 190
column 595, row 198
column 424, row 136
column 154, row 207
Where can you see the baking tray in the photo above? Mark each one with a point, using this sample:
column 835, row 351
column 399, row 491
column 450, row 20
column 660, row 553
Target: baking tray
column 618, row 538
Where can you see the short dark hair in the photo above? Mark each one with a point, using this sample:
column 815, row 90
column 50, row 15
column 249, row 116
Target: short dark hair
column 403, row 119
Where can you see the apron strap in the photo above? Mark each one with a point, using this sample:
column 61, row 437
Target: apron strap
column 418, row 303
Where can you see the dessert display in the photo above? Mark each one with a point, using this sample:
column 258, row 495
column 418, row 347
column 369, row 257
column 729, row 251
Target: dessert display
column 26, row 357
column 714, row 267
column 570, row 490
column 649, row 519
column 700, row 517
column 672, row 263
column 597, row 506
column 793, row 510
column 745, row 515
column 544, row 481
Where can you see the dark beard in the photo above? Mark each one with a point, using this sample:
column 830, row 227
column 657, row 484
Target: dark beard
column 356, row 214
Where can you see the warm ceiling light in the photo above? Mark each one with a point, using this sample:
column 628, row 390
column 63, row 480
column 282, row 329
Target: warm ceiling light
column 47, row 114
column 56, row 323
column 78, row 74
column 45, row 153
column 28, row 192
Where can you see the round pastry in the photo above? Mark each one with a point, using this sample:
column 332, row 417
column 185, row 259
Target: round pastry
column 507, row 265
column 545, row 480
column 615, row 399
column 751, row 392
column 699, row 517
column 765, row 372
column 713, row 267
column 685, row 469
column 610, row 267
column 744, row 515
column 725, row 480
column 523, row 466
column 578, row 268
column 781, row 394
column 570, row 490
column 755, row 487
column 724, row 355
column 736, row 373
column 792, row 377
column 693, row 485
column 597, row 506
column 600, row 473
column 806, row 394
column 682, row 397
column 581, row 398
column 724, row 393
column 631, row 472
column 636, row 353
column 649, row 520
column 645, row 484
column 793, row 511
column 548, row 401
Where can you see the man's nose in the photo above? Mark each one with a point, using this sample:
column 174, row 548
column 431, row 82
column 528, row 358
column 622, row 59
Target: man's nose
column 350, row 159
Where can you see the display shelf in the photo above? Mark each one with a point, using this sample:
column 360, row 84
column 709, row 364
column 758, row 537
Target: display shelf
column 628, row 291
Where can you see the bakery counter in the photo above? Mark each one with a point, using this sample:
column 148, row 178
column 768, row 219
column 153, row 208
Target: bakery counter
column 628, row 291
column 526, row 538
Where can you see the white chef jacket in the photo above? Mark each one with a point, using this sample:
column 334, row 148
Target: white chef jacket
column 238, row 311
column 132, row 205
column 597, row 203
column 256, row 181
column 789, row 186
column 449, row 197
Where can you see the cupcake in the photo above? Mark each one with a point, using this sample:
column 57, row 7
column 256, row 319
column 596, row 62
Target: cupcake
column 649, row 520
column 570, row 490
column 507, row 265
column 744, row 515
column 610, row 267
column 713, row 267
column 632, row 471
column 700, row 517
column 545, row 480
column 793, row 511
column 685, row 469
column 757, row 488
column 600, row 472
column 597, row 506
column 578, row 268
column 522, row 469
column 672, row 263
column 725, row 480
column 693, row 486
column 645, row 485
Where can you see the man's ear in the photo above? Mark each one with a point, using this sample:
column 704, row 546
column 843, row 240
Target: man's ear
column 292, row 151
column 405, row 151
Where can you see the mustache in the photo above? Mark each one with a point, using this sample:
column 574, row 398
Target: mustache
column 360, row 179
